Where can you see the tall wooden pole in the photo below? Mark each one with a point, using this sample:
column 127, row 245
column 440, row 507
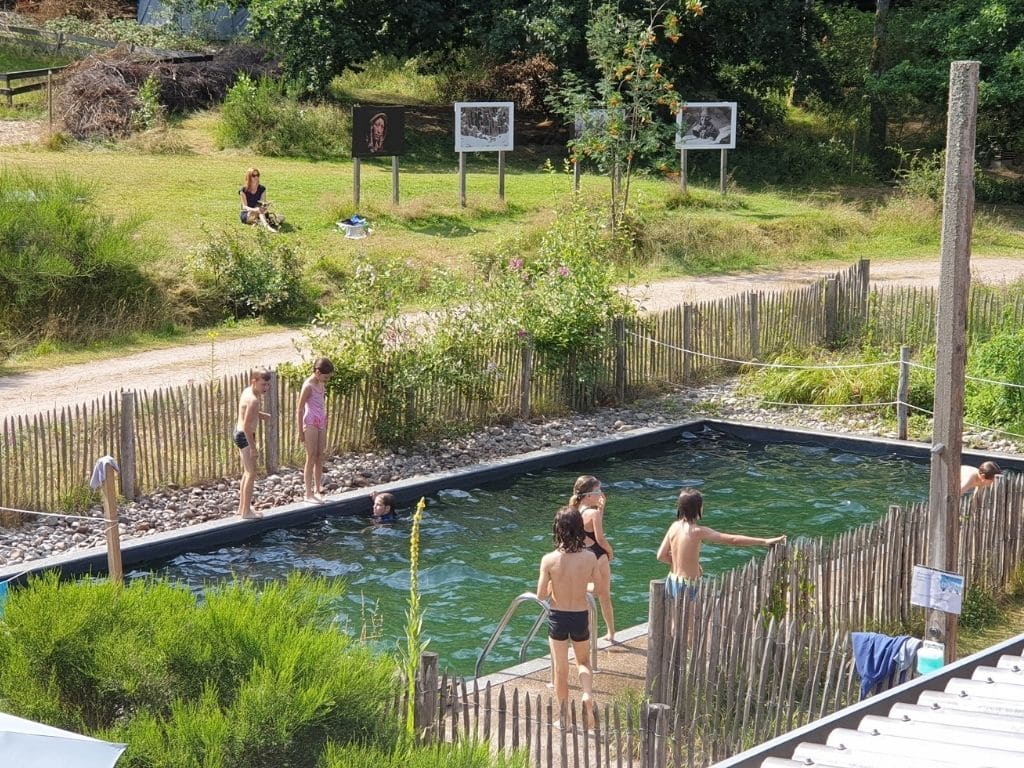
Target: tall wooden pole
column 356, row 167
column 951, row 346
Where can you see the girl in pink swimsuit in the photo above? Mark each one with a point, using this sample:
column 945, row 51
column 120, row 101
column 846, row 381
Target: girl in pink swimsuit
column 311, row 415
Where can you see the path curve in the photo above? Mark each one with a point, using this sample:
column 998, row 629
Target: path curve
column 38, row 391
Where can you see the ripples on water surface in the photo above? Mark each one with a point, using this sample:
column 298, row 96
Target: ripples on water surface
column 480, row 548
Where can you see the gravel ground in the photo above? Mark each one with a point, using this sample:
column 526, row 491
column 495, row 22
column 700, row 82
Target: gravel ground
column 176, row 508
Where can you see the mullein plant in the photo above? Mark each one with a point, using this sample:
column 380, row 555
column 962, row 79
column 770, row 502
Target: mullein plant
column 415, row 644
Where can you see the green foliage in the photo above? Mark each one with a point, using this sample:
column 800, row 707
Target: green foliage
column 248, row 272
column 463, row 754
column 150, row 113
column 980, row 609
column 998, row 359
column 67, row 271
column 921, row 174
column 415, row 645
column 823, row 382
column 260, row 115
column 315, row 39
column 243, row 677
column 129, row 31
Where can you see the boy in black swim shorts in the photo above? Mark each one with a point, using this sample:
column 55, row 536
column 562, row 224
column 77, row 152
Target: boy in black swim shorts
column 564, row 576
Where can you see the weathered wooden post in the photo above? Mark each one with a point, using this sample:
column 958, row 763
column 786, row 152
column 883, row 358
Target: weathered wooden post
column 619, row 325
column 831, row 311
column 654, row 732
column 426, row 697
column 951, row 343
column 394, row 180
column 501, row 175
column 902, row 393
column 754, row 324
column 721, row 171
column 356, row 168
column 273, row 425
column 462, row 179
column 113, row 534
column 684, row 184
column 525, row 381
column 49, row 98
column 654, row 678
column 127, row 452
column 687, row 343
column 864, row 275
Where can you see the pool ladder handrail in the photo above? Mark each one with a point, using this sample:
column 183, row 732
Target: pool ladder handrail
column 528, row 597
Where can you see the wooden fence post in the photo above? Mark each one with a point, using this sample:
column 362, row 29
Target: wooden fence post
column 127, row 457
column 113, row 534
column 356, row 182
column 525, row 382
column 426, row 697
column 831, row 311
column 619, row 325
column 655, row 724
column 864, row 271
column 687, row 343
column 49, row 98
column 754, row 324
column 654, row 678
column 273, row 427
column 902, row 392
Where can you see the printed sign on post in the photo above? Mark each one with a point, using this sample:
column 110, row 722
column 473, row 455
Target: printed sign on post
column 939, row 590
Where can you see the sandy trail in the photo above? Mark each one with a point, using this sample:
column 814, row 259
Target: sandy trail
column 35, row 392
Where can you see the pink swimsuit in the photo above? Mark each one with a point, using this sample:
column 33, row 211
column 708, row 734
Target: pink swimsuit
column 314, row 414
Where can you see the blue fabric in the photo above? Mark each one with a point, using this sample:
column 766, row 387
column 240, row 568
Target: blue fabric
column 3, row 597
column 875, row 656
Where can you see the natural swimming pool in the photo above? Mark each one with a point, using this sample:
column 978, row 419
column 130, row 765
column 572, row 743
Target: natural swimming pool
column 481, row 548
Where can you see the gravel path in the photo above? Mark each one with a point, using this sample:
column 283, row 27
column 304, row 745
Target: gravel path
column 38, row 391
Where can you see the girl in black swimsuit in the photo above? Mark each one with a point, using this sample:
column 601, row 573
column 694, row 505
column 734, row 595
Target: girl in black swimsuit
column 588, row 497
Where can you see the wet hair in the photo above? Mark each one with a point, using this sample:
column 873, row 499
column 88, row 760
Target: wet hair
column 989, row 469
column 690, row 505
column 387, row 499
column 323, row 365
column 259, row 373
column 248, row 176
column 567, row 530
column 584, row 484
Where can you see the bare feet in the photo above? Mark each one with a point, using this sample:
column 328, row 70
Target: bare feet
column 588, row 711
column 250, row 515
column 312, row 498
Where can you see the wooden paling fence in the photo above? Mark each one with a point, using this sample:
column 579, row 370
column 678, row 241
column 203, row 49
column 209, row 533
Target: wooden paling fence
column 181, row 435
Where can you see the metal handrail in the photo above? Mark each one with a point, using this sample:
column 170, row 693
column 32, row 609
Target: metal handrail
column 527, row 597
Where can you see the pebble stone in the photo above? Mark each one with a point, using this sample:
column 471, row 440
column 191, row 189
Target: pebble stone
column 173, row 508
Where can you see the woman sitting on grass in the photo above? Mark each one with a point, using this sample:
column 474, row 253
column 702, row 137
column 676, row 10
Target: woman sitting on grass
column 254, row 204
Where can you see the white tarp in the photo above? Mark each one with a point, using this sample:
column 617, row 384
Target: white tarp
column 26, row 744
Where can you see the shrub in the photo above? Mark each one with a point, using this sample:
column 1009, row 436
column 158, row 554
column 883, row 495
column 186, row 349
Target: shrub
column 464, row 754
column 999, row 359
column 825, row 383
column 980, row 609
column 67, row 271
column 248, row 272
column 242, row 677
column 259, row 114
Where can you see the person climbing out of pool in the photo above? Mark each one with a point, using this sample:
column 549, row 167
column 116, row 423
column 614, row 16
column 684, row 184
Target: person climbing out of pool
column 249, row 415
column 384, row 508
column 588, row 497
column 311, row 415
column 983, row 476
column 565, row 576
column 680, row 548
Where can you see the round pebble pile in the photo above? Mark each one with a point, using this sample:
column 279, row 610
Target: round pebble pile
column 174, row 508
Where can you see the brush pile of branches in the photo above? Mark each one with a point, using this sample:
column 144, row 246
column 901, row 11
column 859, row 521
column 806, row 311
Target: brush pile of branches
column 99, row 95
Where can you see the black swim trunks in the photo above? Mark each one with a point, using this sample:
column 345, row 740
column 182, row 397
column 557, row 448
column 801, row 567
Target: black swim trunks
column 240, row 439
column 390, row 517
column 565, row 624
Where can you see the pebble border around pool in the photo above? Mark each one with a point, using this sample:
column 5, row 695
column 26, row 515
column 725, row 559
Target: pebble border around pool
column 233, row 530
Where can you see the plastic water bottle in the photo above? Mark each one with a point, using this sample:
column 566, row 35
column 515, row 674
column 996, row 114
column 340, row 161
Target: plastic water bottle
column 930, row 656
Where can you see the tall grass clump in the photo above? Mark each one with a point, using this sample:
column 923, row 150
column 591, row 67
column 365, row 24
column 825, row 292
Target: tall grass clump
column 68, row 271
column 244, row 677
column 463, row 754
column 248, row 272
column 260, row 115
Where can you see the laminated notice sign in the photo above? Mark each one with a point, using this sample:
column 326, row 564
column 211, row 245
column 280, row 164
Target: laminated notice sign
column 940, row 590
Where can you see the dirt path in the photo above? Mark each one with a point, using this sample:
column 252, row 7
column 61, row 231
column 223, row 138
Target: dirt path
column 35, row 392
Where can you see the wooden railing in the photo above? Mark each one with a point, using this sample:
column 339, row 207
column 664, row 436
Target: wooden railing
column 42, row 80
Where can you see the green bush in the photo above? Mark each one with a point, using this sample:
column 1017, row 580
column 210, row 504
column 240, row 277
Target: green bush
column 244, row 677
column 825, row 383
column 67, row 271
column 260, row 115
column 980, row 609
column 249, row 272
column 127, row 31
column 999, row 359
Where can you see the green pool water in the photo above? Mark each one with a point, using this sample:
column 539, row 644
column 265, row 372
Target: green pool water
column 481, row 548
